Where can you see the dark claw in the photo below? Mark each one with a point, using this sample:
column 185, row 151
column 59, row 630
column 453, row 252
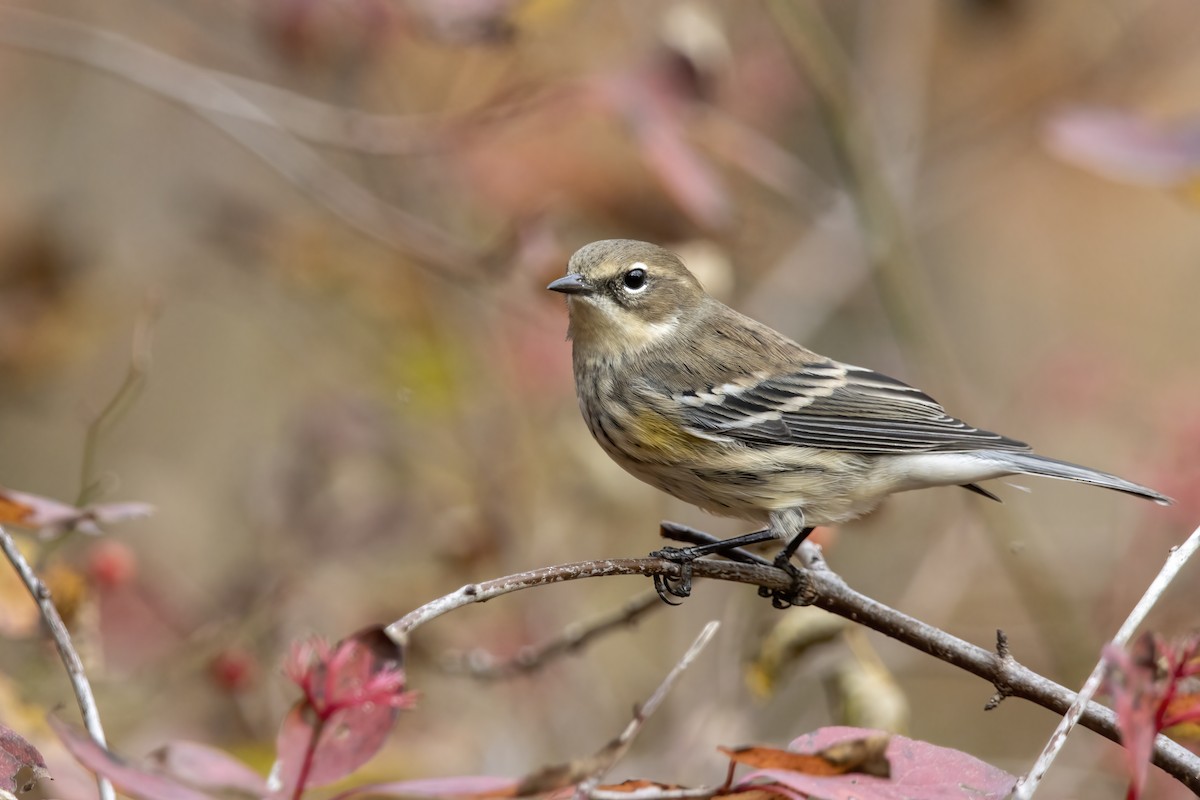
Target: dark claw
column 665, row 586
column 798, row 594
column 664, row 589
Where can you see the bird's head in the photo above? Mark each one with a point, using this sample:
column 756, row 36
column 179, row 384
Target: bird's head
column 624, row 296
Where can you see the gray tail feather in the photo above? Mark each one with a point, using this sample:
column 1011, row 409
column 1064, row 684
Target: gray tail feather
column 1030, row 464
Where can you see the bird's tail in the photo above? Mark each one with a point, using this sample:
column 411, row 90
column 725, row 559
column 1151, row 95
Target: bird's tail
column 1030, row 464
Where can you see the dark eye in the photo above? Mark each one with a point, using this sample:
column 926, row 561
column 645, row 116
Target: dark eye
column 635, row 279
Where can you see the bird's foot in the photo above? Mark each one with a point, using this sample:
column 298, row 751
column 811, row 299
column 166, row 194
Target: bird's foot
column 669, row 587
column 681, row 587
column 799, row 593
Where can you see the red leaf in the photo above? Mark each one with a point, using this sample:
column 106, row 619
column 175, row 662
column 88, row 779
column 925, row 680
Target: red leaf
column 130, row 780
column 466, row 786
column 920, row 771
column 207, row 768
column 21, row 765
column 1138, row 696
column 353, row 694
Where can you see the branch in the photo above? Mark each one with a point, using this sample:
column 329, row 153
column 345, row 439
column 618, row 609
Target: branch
column 585, row 773
column 621, row 744
column 66, row 650
column 484, row 666
column 830, row 592
column 1179, row 556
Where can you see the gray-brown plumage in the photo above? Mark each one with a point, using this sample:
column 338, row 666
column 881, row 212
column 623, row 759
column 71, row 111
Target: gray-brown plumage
column 723, row 412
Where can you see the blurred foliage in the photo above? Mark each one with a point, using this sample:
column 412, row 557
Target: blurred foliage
column 359, row 397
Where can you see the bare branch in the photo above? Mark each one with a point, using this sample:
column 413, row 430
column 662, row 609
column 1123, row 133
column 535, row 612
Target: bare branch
column 66, row 650
column 831, row 593
column 1179, row 556
column 482, row 665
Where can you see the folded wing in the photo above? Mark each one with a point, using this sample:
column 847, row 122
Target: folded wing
column 828, row 405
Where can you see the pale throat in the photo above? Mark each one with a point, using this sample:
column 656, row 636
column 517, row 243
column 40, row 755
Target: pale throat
column 601, row 325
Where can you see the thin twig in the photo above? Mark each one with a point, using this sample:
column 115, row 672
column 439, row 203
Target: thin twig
column 643, row 712
column 248, row 124
column 584, row 773
column 1179, row 556
column 66, row 650
column 120, row 402
column 831, row 593
column 484, row 666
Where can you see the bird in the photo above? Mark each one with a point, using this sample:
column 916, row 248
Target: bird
column 727, row 414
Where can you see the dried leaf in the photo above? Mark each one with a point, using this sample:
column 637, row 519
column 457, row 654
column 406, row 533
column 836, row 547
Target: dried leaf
column 919, row 771
column 1182, row 717
column 865, row 693
column 790, row 639
column 21, row 765
column 865, row 755
column 634, row 785
column 53, row 517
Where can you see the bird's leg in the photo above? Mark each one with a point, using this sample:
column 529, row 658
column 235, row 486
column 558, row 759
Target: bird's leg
column 682, row 533
column 684, row 556
column 788, row 524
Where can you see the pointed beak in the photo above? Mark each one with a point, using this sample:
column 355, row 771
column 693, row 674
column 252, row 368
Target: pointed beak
column 570, row 284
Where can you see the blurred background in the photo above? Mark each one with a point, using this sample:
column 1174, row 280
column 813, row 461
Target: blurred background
column 311, row 238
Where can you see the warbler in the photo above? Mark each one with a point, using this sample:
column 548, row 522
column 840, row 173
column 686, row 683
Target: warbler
column 732, row 416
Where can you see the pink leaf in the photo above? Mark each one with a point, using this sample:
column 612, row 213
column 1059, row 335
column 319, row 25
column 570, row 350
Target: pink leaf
column 52, row 516
column 1125, row 147
column 21, row 765
column 130, row 780
column 920, row 771
column 353, row 694
column 466, row 786
column 207, row 768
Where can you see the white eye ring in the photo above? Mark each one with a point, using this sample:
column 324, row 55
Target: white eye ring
column 634, row 280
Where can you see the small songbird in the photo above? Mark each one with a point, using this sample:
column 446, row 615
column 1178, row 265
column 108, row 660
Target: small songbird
column 725, row 413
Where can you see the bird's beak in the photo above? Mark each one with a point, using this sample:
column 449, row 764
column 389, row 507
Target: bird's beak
column 570, row 284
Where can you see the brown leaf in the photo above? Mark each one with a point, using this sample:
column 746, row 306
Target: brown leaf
column 865, row 755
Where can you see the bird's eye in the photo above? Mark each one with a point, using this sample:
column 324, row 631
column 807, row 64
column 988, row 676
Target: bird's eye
column 635, row 279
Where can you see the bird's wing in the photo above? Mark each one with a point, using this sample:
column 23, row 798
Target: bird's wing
column 826, row 405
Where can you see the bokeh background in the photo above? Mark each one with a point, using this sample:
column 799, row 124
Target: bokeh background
column 318, row 232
